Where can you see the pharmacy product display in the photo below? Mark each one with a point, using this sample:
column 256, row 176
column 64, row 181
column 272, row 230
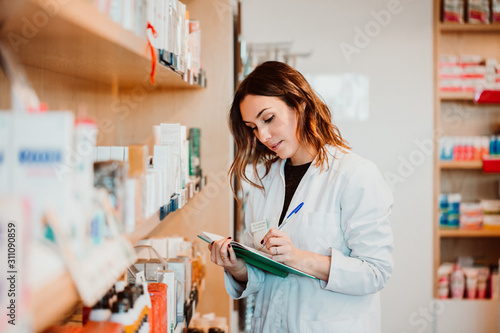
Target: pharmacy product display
column 466, row 247
column 91, row 65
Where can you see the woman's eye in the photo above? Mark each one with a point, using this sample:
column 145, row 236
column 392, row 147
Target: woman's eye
column 253, row 128
column 268, row 120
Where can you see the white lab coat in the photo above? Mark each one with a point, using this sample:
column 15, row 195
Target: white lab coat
column 345, row 216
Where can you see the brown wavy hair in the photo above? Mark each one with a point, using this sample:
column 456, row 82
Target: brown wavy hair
column 314, row 128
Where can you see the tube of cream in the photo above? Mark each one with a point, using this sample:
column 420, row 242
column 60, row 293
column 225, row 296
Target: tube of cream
column 471, row 274
column 482, row 279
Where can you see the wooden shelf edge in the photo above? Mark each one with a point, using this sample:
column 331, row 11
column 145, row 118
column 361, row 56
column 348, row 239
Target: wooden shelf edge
column 467, row 27
column 466, row 300
column 51, row 303
column 457, row 233
column 461, row 165
column 78, row 13
column 91, row 30
column 456, row 96
column 144, row 228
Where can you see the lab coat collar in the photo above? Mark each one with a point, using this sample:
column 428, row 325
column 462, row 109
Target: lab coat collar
column 332, row 152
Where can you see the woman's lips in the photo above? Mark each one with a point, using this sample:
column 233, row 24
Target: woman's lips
column 276, row 146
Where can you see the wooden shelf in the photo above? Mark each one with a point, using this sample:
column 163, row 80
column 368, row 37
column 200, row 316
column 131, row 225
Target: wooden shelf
column 47, row 309
column 457, row 27
column 461, row 165
column 144, row 228
column 468, row 300
column 79, row 41
column 467, row 315
column 456, row 96
column 76, row 56
column 65, row 288
column 454, row 233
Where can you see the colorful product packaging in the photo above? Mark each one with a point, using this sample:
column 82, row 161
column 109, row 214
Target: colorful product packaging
column 495, row 11
column 453, row 11
column 471, row 216
column 478, row 11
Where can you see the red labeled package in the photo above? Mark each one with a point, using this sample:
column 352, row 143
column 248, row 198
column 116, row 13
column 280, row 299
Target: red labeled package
column 158, row 294
column 102, row 327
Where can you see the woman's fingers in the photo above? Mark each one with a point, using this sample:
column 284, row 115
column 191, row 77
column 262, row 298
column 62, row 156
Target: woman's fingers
column 213, row 252
column 232, row 255
column 219, row 253
column 273, row 232
column 279, row 245
column 223, row 254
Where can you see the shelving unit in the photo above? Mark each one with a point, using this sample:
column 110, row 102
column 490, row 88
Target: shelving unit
column 468, row 233
column 465, row 165
column 456, row 96
column 43, row 316
column 465, row 177
column 456, row 27
column 96, row 49
column 81, row 60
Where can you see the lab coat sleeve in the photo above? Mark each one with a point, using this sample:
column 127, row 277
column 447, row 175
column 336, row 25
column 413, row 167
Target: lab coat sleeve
column 256, row 277
column 366, row 203
column 237, row 290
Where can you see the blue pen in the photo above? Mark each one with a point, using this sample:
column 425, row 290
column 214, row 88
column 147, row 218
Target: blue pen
column 296, row 210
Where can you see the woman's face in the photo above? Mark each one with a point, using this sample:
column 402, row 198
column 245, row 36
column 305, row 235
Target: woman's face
column 274, row 124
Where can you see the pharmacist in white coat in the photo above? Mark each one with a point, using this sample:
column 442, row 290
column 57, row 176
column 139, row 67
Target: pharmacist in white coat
column 341, row 235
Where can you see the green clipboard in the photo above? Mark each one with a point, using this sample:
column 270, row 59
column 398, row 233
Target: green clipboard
column 257, row 258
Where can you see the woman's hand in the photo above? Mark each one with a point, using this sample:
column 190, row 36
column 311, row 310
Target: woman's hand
column 280, row 246
column 223, row 255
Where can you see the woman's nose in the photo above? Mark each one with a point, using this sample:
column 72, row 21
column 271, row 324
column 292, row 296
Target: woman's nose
column 264, row 135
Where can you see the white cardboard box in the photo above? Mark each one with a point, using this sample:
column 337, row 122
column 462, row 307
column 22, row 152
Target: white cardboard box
column 42, row 169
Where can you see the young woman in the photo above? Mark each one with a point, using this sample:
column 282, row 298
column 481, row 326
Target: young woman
column 341, row 235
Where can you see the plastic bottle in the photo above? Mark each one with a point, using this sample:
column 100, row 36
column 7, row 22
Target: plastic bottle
column 493, row 145
column 444, row 287
column 454, row 210
column 457, row 282
column 497, row 145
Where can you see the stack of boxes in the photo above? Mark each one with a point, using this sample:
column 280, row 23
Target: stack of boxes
column 179, row 269
column 454, row 214
column 177, row 38
column 463, row 148
column 491, row 214
column 471, row 11
column 165, row 180
column 467, row 72
column 46, row 158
